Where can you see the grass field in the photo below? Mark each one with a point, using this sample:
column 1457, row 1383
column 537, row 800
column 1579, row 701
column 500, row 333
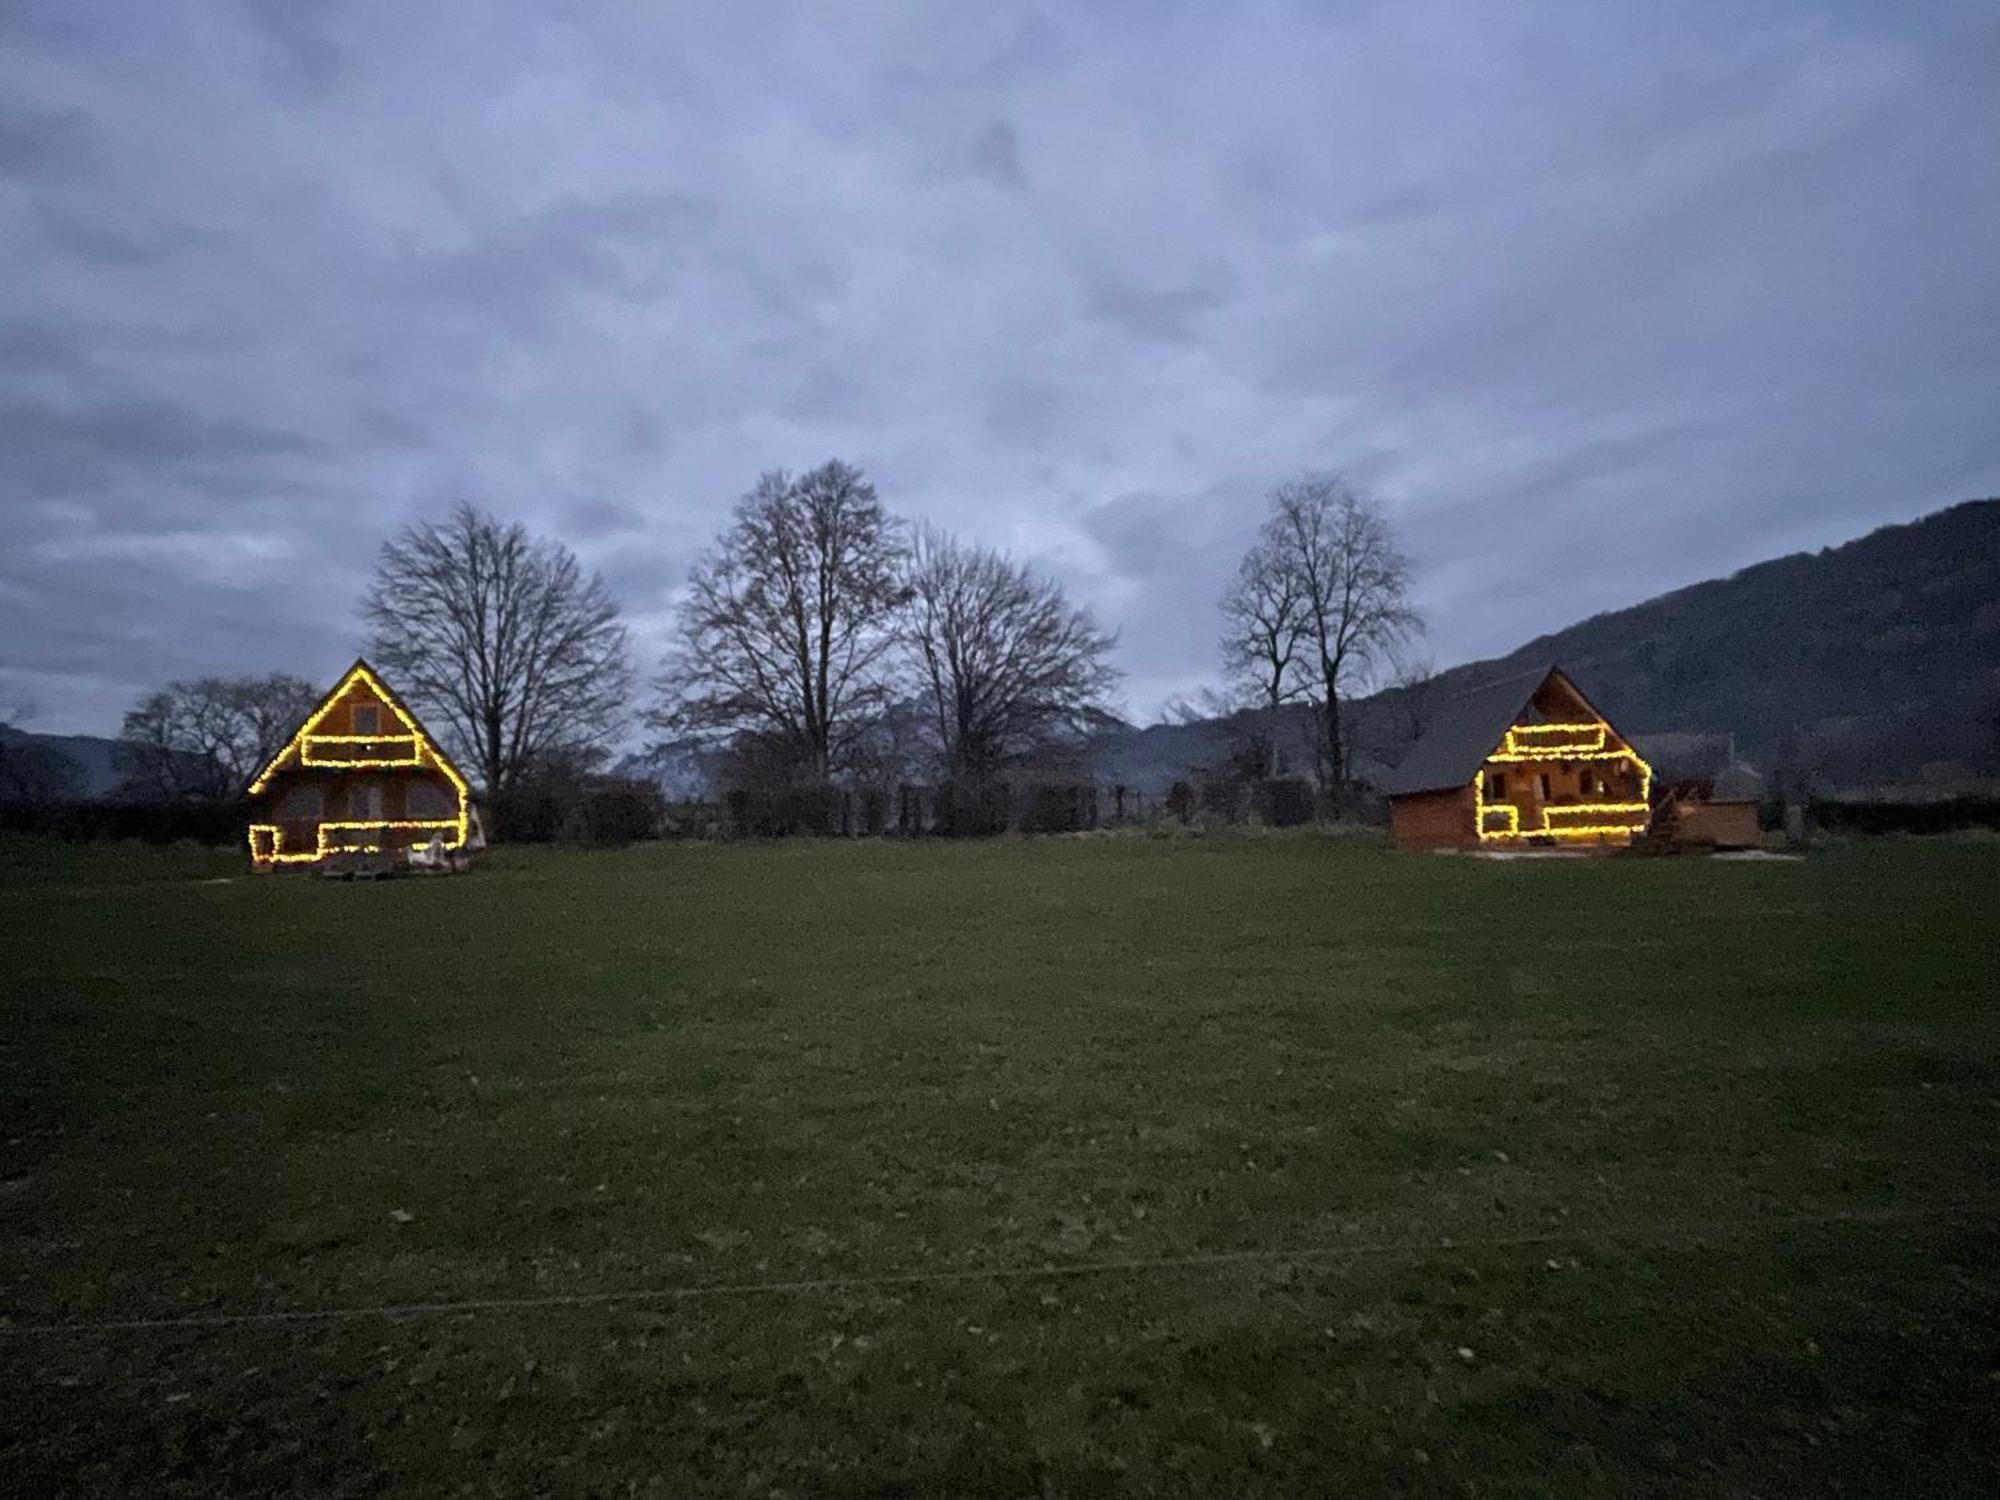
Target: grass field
column 1068, row 1167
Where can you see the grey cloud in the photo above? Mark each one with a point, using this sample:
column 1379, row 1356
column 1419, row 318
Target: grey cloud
column 1263, row 170
column 642, row 433
column 995, row 154
column 98, row 240
column 592, row 518
column 58, row 450
column 1674, row 290
column 296, row 31
column 518, row 270
column 1147, row 534
column 42, row 143
column 1024, row 409
column 393, row 429
column 144, row 431
column 824, row 393
column 36, row 348
column 1407, row 204
column 1168, row 315
column 1005, row 47
column 1030, row 44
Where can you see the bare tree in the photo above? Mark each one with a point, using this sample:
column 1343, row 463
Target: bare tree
column 1204, row 704
column 1354, row 585
column 206, row 738
column 1005, row 664
column 1265, row 627
column 502, row 639
column 1414, row 679
column 789, row 621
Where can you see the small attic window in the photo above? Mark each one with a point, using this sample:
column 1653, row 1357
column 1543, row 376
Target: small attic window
column 367, row 718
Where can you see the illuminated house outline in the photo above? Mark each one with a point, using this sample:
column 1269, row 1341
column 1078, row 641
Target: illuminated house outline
column 1524, row 759
column 336, row 758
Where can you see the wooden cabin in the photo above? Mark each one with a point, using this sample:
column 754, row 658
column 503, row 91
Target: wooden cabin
column 362, row 777
column 1520, row 762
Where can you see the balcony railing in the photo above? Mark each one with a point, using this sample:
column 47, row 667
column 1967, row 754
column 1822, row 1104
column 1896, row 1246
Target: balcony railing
column 1554, row 741
column 360, row 751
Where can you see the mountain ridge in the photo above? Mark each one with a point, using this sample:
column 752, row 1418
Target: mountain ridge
column 1873, row 660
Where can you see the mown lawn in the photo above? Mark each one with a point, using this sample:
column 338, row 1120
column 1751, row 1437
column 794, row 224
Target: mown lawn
column 1065, row 1167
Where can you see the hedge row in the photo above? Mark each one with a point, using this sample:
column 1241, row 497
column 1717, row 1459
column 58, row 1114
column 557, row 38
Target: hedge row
column 150, row 822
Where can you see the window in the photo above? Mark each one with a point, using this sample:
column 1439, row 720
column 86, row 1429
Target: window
column 364, row 802
column 300, row 804
column 1547, row 795
column 1496, row 786
column 367, row 719
column 430, row 799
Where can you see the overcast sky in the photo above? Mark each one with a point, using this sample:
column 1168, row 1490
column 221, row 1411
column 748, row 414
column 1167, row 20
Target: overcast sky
column 1599, row 299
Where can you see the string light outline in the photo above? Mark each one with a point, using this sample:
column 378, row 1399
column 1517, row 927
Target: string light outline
column 307, row 744
column 1513, row 751
column 1558, row 750
column 275, row 832
column 460, row 826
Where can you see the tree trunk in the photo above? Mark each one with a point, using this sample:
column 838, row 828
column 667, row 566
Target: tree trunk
column 493, row 766
column 1336, row 757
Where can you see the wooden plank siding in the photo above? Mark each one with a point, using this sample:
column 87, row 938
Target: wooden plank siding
column 1433, row 820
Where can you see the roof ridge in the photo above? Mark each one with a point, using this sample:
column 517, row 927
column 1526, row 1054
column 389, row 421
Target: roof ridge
column 1487, row 684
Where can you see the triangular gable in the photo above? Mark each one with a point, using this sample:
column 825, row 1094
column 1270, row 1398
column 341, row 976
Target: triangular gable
column 295, row 748
column 1557, row 674
column 1524, row 740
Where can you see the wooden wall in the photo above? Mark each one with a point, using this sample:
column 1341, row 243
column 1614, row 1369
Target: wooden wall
column 1433, row 820
column 1727, row 825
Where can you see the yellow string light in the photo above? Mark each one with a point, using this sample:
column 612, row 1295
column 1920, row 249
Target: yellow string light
column 311, row 742
column 1584, row 739
column 273, row 833
column 265, row 838
column 1586, row 742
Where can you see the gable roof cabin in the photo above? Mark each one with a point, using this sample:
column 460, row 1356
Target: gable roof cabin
column 361, row 776
column 1520, row 760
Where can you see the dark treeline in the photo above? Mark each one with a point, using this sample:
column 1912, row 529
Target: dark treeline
column 820, row 642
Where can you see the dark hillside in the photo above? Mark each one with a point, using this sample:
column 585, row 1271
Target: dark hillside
column 1863, row 663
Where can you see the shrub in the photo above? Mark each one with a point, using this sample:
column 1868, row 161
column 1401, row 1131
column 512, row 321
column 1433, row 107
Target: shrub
column 151, row 822
column 1282, row 802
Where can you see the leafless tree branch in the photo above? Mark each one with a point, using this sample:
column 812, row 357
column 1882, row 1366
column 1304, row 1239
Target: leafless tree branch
column 499, row 639
column 788, row 623
column 206, row 738
column 1328, row 551
column 1002, row 660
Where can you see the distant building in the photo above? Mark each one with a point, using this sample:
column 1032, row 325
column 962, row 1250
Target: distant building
column 361, row 777
column 1520, row 761
column 1719, row 812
